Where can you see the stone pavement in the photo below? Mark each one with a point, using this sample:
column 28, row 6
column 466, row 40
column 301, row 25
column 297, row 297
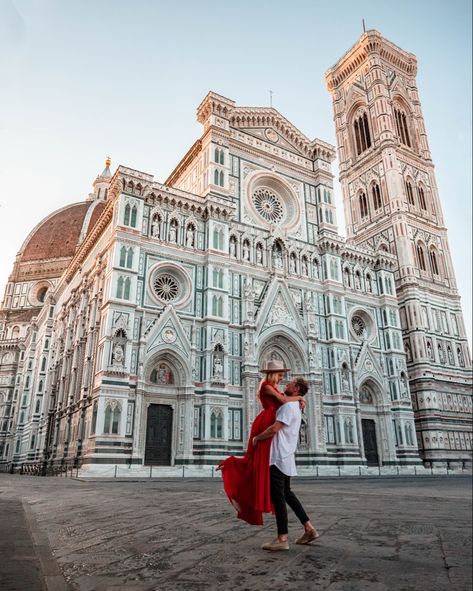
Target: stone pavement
column 378, row 534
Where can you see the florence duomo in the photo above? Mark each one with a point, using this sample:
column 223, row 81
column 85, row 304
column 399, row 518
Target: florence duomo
column 134, row 323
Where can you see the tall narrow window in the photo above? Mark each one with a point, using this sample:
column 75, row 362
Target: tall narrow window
column 421, row 257
column 122, row 256
column 433, row 262
column 221, row 180
column 362, row 133
column 216, row 177
column 126, row 289
column 410, row 194
column 422, row 202
column 120, row 287
column 363, row 205
column 126, row 217
column 401, row 127
column 376, row 197
column 134, row 212
column 129, row 258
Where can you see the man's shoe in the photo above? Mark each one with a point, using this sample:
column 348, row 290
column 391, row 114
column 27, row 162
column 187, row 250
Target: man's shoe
column 275, row 546
column 308, row 537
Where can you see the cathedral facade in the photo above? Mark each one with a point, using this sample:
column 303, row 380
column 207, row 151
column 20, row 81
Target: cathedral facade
column 134, row 323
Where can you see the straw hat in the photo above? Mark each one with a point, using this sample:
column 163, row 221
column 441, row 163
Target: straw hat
column 274, row 366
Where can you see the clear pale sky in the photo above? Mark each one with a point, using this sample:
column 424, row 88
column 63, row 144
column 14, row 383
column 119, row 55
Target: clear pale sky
column 85, row 79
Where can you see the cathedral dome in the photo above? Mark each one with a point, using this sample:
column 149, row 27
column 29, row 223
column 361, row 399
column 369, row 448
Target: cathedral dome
column 50, row 246
column 58, row 235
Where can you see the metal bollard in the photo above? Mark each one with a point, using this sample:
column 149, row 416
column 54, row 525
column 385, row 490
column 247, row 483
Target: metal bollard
column 183, row 470
column 379, row 470
column 212, row 471
column 115, row 475
column 150, row 470
column 397, row 470
column 339, row 473
column 317, row 471
column 415, row 470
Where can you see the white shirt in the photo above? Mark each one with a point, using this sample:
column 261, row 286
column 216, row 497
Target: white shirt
column 284, row 442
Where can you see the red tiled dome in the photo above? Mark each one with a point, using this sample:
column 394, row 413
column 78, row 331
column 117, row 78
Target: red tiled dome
column 57, row 236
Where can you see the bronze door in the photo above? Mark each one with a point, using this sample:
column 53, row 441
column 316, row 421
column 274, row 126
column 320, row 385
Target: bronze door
column 158, row 435
column 369, row 441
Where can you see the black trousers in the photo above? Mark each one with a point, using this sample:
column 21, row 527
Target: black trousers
column 281, row 494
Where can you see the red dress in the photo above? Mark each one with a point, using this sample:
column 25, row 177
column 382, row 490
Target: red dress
column 246, row 480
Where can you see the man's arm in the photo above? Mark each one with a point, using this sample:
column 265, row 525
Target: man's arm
column 269, row 432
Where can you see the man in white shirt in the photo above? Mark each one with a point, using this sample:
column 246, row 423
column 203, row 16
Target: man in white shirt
column 282, row 465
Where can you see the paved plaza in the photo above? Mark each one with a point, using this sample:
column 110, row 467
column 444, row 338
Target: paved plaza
column 377, row 534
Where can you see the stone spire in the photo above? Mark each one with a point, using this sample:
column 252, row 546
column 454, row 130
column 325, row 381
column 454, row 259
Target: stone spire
column 102, row 183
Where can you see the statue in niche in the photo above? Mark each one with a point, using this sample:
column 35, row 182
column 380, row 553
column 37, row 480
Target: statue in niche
column 155, row 226
column 315, row 269
column 345, row 378
column 218, row 368
column 277, row 259
column 292, row 264
column 190, row 237
column 357, row 281
column 246, row 251
column 404, row 393
column 118, row 354
column 259, row 254
column 305, row 270
column 366, row 397
column 232, row 247
column 172, row 232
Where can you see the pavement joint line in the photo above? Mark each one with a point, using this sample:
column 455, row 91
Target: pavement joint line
column 53, row 578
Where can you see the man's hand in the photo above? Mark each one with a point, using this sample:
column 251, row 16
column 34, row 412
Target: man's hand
column 255, row 441
column 302, row 404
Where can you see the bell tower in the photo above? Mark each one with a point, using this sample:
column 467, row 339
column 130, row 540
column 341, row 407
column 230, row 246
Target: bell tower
column 391, row 203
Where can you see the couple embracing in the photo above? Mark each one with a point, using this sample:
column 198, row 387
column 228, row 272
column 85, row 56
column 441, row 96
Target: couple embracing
column 260, row 482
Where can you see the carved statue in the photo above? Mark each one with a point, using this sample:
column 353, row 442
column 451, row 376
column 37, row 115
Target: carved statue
column 172, row 233
column 190, row 237
column 292, row 264
column 232, row 248
column 246, row 251
column 345, row 379
column 259, row 255
column 277, row 259
column 218, row 368
column 118, row 354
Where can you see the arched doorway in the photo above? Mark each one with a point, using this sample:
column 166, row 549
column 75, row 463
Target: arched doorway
column 368, row 395
column 164, row 408
column 279, row 346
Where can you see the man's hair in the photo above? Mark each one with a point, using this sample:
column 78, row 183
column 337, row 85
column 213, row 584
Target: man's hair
column 302, row 385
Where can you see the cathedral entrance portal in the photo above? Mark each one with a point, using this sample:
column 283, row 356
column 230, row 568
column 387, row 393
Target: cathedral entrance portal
column 158, row 435
column 369, row 441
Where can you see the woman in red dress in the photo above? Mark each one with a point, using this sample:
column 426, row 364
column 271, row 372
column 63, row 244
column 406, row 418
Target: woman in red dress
column 246, row 480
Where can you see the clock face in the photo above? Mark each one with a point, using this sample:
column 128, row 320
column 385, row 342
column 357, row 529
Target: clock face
column 271, row 135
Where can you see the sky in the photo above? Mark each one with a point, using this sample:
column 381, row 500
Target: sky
column 85, row 80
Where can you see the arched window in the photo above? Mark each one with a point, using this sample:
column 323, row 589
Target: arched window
column 42, row 294
column 216, row 177
column 126, row 289
column 410, row 194
column 376, row 197
column 421, row 257
column 112, row 419
column 40, row 386
column 363, row 205
column 134, row 213
column 129, row 258
column 43, row 364
column 423, row 204
column 216, row 424
column 222, row 179
column 362, row 133
column 126, row 217
column 122, row 256
column 401, row 126
column 120, row 287
column 433, row 262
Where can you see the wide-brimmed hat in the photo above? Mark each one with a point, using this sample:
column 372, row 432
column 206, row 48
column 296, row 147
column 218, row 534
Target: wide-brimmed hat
column 273, row 366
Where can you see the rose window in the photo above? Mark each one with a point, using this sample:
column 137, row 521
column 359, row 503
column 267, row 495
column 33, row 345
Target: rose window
column 359, row 326
column 166, row 287
column 268, row 205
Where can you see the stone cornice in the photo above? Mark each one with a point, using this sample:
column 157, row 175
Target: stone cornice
column 261, row 117
column 370, row 43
